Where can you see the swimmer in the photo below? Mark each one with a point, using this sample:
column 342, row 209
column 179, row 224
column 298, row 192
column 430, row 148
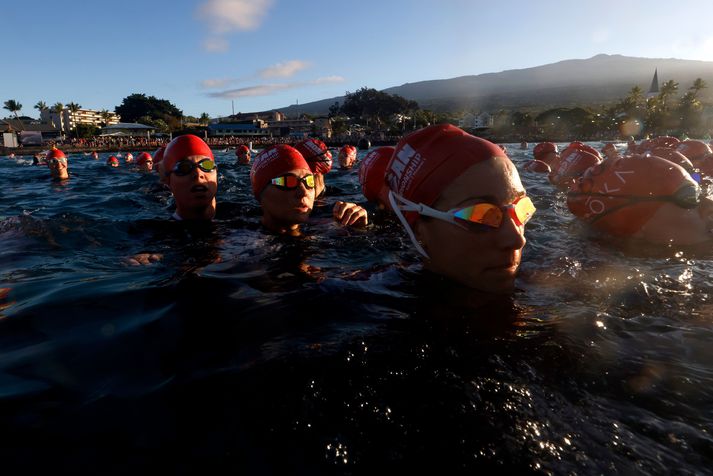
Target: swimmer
column 242, row 155
column 609, row 151
column 112, row 161
column 319, row 158
column 129, row 158
column 460, row 199
column 144, row 162
column 285, row 186
column 39, row 159
column 95, row 155
column 572, row 164
column 523, row 145
column 347, row 156
column 57, row 163
column 372, row 176
column 158, row 164
column 643, row 197
column 192, row 175
column 544, row 154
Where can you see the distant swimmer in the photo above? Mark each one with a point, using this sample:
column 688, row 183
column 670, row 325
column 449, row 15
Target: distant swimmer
column 372, row 176
column 112, row 161
column 460, row 199
column 543, row 155
column 95, row 155
column 192, row 176
column 129, row 158
column 285, row 186
column 571, row 164
column 319, row 158
column 643, row 197
column 57, row 163
column 347, row 156
column 242, row 155
column 523, row 145
column 144, row 162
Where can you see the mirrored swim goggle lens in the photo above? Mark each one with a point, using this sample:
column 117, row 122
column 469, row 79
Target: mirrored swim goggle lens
column 688, row 196
column 492, row 215
column 290, row 181
column 185, row 167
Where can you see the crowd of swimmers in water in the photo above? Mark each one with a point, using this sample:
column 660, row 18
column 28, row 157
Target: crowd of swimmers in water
column 458, row 197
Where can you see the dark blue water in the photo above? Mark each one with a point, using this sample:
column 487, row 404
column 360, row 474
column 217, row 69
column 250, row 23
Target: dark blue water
column 241, row 351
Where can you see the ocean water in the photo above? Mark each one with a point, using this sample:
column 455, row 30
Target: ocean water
column 333, row 353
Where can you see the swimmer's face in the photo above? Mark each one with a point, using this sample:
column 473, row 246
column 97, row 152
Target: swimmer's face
column 243, row 157
column 488, row 259
column 146, row 166
column 286, row 208
column 196, row 190
column 672, row 224
column 58, row 168
column 346, row 161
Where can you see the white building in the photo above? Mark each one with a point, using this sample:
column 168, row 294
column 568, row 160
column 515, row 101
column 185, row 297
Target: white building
column 476, row 121
column 68, row 120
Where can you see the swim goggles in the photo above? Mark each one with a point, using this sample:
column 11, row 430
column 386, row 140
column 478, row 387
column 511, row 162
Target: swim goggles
column 477, row 217
column 292, row 181
column 57, row 160
column 185, row 167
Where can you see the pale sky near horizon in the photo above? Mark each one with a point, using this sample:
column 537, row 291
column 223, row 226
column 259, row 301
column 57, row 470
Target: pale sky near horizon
column 265, row 54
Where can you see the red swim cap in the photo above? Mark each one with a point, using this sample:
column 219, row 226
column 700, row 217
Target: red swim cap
column 693, row 149
column 158, row 156
column 273, row 162
column 605, row 196
column 347, row 154
column 317, row 155
column 182, row 147
column 426, row 161
column 372, row 173
column 143, row 157
column 665, row 141
column 241, row 149
column 537, row 166
column 112, row 161
column 544, row 148
column 673, row 156
column 582, row 146
column 55, row 153
column 573, row 164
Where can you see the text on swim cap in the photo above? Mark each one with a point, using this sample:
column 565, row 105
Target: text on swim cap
column 263, row 159
column 403, row 168
column 595, row 205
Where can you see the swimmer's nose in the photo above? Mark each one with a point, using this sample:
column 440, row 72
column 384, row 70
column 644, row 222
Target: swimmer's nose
column 511, row 236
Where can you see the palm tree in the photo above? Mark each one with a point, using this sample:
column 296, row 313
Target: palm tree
column 41, row 106
column 698, row 84
column 668, row 88
column 12, row 106
column 106, row 115
column 57, row 108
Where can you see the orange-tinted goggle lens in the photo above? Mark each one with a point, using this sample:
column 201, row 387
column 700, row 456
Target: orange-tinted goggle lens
column 491, row 215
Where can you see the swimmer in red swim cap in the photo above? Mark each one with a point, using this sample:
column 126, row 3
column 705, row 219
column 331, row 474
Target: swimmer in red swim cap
column 242, row 155
column 112, row 161
column 372, row 174
column 57, row 163
column 573, row 162
column 319, row 158
column 144, row 162
column 158, row 164
column 347, row 156
column 460, row 199
column 544, row 155
column 647, row 198
column 284, row 184
column 192, row 176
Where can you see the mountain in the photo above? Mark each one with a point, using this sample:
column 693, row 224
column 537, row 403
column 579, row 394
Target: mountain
column 597, row 80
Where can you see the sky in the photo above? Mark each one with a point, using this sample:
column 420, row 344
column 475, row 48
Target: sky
column 208, row 56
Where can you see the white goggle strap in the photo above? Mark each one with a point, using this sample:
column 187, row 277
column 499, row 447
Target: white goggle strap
column 409, row 207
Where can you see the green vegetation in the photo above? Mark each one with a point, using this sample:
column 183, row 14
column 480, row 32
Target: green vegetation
column 12, row 106
column 138, row 107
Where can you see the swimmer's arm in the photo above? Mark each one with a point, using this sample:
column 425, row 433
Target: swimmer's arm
column 350, row 214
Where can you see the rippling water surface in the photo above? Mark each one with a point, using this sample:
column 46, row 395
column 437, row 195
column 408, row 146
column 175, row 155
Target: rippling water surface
column 242, row 351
